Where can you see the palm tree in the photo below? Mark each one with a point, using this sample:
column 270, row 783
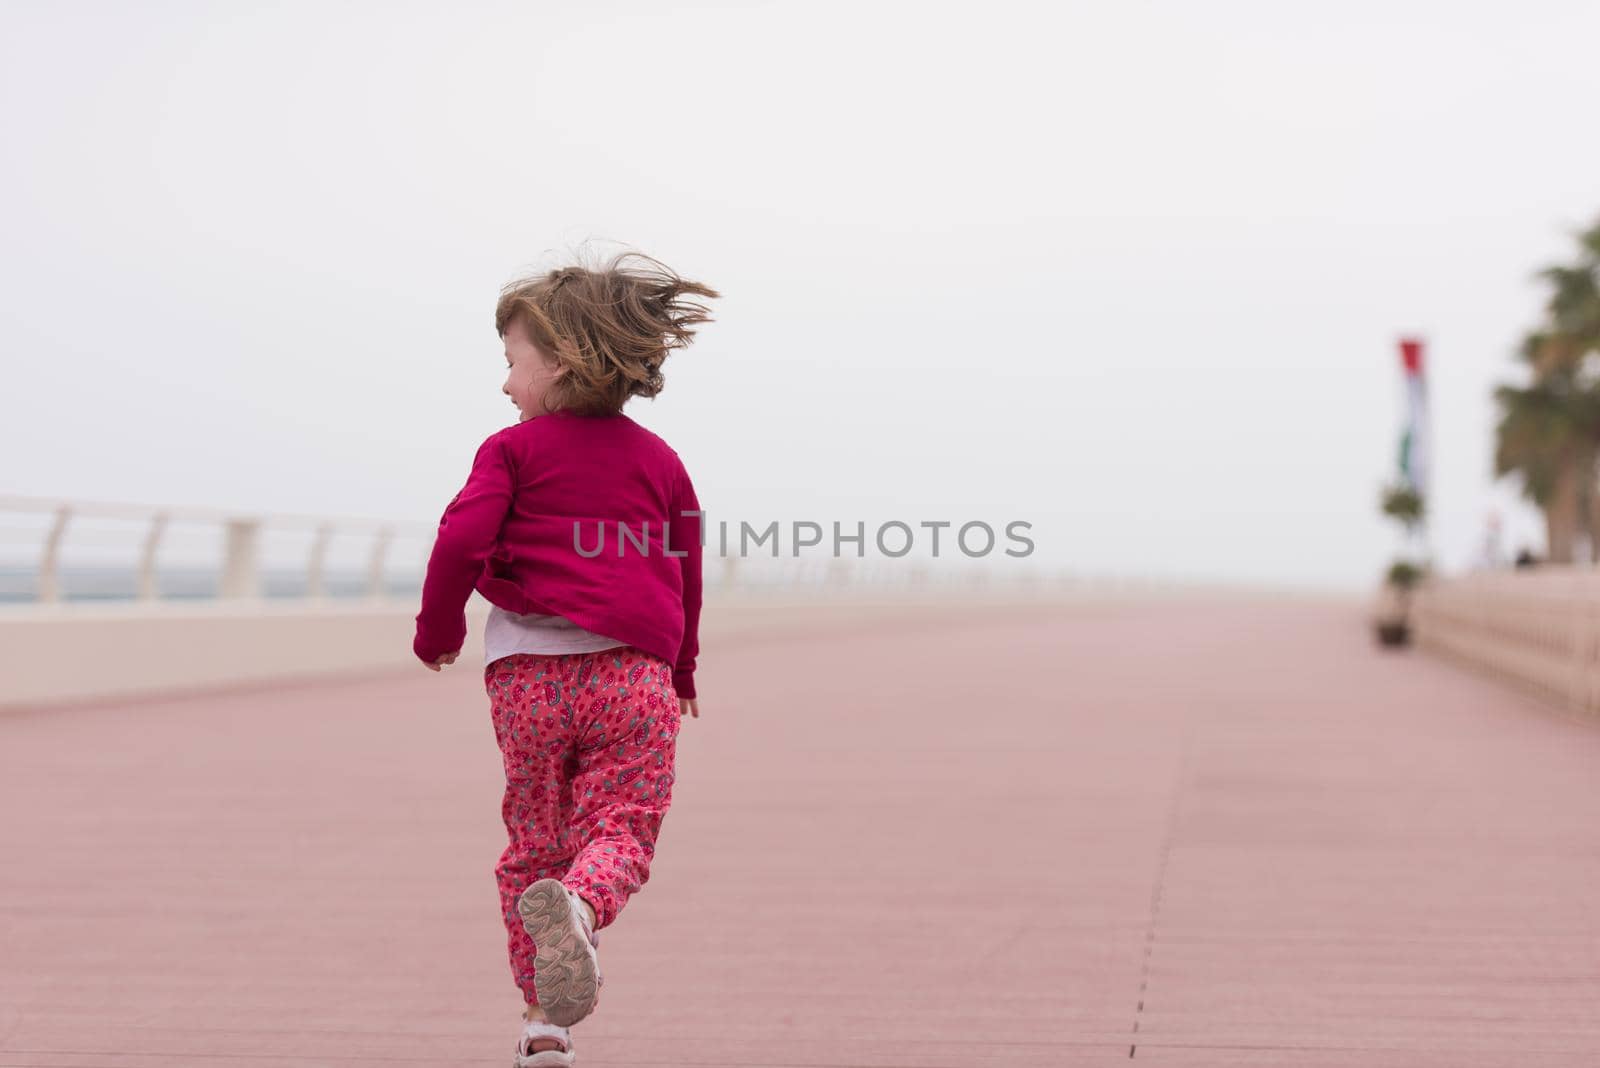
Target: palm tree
column 1547, row 434
column 1549, row 431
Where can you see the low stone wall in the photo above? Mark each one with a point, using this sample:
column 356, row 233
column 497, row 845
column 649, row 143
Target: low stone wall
column 1538, row 628
column 68, row 653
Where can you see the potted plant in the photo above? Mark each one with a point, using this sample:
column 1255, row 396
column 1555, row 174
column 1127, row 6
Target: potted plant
column 1393, row 623
column 1405, row 500
column 1401, row 502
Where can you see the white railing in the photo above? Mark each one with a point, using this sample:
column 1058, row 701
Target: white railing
column 1537, row 627
column 237, row 540
column 239, row 574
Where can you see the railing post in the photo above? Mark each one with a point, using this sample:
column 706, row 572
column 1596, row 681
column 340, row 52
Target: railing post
column 148, row 590
column 380, row 548
column 315, row 566
column 241, row 575
column 50, row 557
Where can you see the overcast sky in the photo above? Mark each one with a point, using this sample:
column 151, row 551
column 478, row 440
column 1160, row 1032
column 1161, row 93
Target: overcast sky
column 1130, row 272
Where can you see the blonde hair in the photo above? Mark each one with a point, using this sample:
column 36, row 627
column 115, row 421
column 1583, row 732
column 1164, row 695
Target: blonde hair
column 611, row 327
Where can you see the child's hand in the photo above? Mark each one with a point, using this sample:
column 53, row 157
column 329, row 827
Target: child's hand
column 447, row 658
column 689, row 706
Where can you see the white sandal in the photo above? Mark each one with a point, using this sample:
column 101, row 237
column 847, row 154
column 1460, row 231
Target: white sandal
column 528, row 1057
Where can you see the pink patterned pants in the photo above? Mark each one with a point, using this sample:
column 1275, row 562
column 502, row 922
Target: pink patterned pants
column 589, row 741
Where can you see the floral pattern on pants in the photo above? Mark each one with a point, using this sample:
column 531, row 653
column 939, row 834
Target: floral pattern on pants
column 589, row 741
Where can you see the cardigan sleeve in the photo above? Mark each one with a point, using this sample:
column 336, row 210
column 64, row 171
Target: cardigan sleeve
column 467, row 534
column 685, row 537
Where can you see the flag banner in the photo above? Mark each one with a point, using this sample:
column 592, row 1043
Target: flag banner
column 1414, row 438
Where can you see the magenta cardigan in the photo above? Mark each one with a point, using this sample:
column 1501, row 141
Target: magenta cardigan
column 588, row 517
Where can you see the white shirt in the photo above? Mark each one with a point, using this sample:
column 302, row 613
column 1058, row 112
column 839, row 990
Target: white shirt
column 505, row 633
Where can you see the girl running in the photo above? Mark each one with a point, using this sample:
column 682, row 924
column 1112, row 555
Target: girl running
column 583, row 531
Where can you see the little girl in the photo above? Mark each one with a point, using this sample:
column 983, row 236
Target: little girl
column 582, row 530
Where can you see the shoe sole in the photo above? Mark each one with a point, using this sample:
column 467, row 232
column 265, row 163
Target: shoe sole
column 548, row 1058
column 565, row 969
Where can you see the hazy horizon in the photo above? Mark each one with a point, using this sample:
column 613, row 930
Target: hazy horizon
column 1134, row 274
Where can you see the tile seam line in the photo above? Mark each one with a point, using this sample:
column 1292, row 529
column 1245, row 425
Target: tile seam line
column 1180, row 787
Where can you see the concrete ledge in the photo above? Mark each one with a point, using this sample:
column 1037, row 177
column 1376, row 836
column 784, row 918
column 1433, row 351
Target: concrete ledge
column 82, row 651
column 73, row 652
column 1537, row 629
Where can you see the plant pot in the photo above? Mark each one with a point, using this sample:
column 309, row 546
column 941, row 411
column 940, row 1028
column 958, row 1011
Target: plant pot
column 1393, row 632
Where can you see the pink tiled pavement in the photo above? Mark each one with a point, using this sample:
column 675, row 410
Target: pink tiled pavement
column 1205, row 832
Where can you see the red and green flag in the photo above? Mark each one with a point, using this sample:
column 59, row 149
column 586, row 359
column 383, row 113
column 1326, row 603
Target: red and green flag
column 1414, row 437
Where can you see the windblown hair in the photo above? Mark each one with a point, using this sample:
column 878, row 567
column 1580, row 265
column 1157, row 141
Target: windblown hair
column 611, row 327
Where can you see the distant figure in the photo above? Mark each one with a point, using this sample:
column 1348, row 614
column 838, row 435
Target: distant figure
column 589, row 654
column 1526, row 558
